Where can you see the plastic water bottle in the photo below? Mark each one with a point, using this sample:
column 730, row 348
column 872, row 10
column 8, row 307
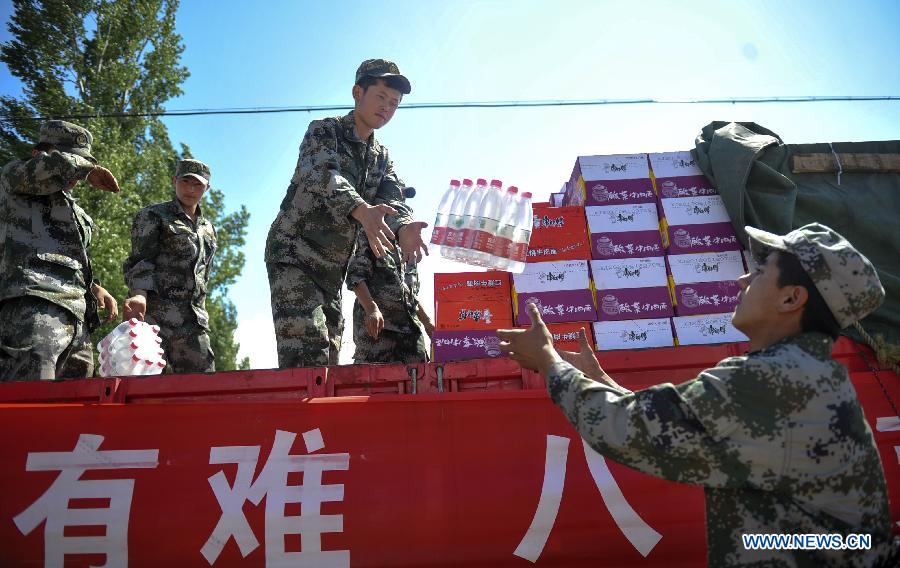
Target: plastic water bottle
column 455, row 222
column 506, row 229
column 518, row 249
column 484, row 226
column 442, row 219
column 121, row 329
column 472, row 210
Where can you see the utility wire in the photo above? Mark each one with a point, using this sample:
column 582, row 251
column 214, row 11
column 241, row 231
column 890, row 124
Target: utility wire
column 451, row 105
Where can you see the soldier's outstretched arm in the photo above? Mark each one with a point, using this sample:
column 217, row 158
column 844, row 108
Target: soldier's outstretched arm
column 655, row 430
column 46, row 173
column 318, row 170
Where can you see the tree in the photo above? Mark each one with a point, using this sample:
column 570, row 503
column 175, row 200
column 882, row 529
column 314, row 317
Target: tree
column 115, row 57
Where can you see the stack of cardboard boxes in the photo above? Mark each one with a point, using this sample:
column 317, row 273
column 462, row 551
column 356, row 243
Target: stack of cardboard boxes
column 641, row 253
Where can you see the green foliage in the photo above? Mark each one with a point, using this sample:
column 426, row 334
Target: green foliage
column 88, row 57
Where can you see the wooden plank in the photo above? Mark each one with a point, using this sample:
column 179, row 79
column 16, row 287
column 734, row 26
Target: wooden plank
column 825, row 163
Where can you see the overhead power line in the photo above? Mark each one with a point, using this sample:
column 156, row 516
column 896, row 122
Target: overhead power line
column 453, row 105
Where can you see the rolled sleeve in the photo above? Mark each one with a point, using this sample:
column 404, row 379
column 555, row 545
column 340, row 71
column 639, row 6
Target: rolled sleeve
column 318, row 168
column 140, row 266
column 361, row 265
column 390, row 192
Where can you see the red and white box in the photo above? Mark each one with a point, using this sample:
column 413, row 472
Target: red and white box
column 698, row 224
column 631, row 288
column 633, row 334
column 624, row 231
column 676, row 174
column 558, row 233
column 473, row 314
column 565, row 335
column 561, row 291
column 451, row 345
column 611, row 180
column 461, row 286
column 705, row 283
column 706, row 329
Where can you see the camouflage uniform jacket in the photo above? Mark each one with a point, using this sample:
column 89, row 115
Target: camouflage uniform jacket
column 777, row 438
column 393, row 285
column 44, row 234
column 336, row 172
column 171, row 258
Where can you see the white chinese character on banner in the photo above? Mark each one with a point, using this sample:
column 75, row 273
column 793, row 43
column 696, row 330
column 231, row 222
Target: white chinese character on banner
column 272, row 483
column 641, row 535
column 53, row 505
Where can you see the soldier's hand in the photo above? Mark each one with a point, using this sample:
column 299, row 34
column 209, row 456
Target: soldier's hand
column 532, row 347
column 106, row 302
column 411, row 244
column 135, row 307
column 101, row 178
column 584, row 360
column 374, row 323
column 371, row 217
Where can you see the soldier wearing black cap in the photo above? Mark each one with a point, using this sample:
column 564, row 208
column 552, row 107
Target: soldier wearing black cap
column 167, row 273
column 341, row 171
column 46, row 283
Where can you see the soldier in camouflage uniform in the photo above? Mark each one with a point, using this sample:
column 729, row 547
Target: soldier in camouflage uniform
column 48, row 294
column 388, row 319
column 342, row 168
column 776, row 437
column 172, row 247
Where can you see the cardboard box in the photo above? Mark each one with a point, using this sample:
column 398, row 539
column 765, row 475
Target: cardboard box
column 697, row 224
column 631, row 288
column 705, row 283
column 556, row 199
column 561, row 291
column 611, row 180
column 558, row 233
column 706, row 330
column 633, row 334
column 474, row 314
column 565, row 335
column 624, row 231
column 676, row 174
column 465, row 344
column 457, row 286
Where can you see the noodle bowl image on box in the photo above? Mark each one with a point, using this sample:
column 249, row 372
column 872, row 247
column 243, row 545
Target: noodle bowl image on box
column 676, row 174
column 631, row 288
column 560, row 290
column 705, row 283
column 611, row 180
column 624, row 231
column 697, row 224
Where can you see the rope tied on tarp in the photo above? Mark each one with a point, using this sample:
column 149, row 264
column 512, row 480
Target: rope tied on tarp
column 887, row 354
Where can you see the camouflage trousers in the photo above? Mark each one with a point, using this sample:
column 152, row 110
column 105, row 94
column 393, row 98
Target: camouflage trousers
column 391, row 346
column 184, row 340
column 187, row 351
column 42, row 341
column 308, row 320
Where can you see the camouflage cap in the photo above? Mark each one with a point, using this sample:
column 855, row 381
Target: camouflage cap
column 67, row 137
column 846, row 279
column 194, row 168
column 382, row 68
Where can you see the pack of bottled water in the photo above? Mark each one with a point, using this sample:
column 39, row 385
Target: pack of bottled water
column 484, row 225
column 132, row 348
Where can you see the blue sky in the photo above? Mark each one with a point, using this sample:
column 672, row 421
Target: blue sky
column 297, row 53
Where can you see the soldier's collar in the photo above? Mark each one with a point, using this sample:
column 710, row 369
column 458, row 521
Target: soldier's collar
column 348, row 122
column 816, row 344
column 178, row 208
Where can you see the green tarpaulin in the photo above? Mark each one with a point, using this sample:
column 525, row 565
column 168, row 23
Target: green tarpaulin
column 751, row 168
